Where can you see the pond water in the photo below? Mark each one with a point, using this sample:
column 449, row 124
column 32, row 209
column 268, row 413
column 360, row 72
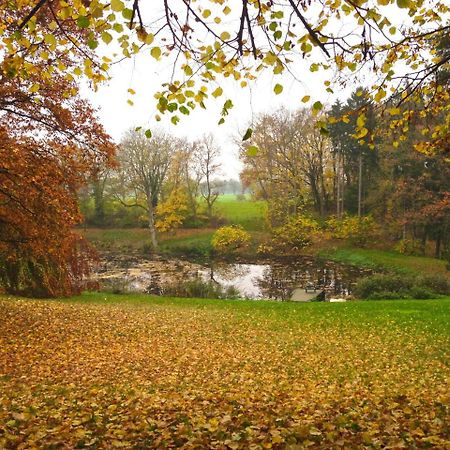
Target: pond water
column 262, row 280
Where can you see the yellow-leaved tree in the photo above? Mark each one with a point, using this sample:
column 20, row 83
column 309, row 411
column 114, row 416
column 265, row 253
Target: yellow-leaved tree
column 399, row 47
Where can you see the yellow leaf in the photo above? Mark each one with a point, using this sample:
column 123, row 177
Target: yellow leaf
column 278, row 89
column 155, row 52
column 217, row 93
column 117, row 5
column 394, row 111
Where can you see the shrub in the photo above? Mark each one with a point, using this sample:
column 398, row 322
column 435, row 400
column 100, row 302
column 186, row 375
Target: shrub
column 422, row 293
column 230, row 239
column 295, row 234
column 435, row 283
column 385, row 295
column 357, row 230
column 365, row 287
column 377, row 287
column 408, row 247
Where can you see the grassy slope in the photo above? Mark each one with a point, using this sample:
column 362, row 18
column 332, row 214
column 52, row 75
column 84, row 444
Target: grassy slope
column 391, row 261
column 123, row 371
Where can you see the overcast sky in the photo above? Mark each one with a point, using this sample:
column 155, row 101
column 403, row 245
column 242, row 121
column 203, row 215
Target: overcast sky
column 145, row 75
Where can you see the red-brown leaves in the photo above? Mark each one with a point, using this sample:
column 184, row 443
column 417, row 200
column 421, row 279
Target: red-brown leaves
column 50, row 143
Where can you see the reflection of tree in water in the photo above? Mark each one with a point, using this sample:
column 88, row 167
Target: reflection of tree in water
column 279, row 280
column 229, row 272
column 155, row 285
column 275, row 280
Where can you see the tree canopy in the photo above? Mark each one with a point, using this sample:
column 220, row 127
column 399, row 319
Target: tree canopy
column 399, row 47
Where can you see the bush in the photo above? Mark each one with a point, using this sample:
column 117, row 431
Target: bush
column 295, row 234
column 422, row 293
column 385, row 295
column 365, row 287
column 230, row 239
column 378, row 287
column 357, row 230
column 408, row 247
column 436, row 283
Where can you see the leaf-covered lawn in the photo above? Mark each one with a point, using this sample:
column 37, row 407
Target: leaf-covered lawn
column 154, row 373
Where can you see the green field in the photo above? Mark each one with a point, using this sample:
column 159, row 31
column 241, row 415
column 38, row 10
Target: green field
column 105, row 371
column 247, row 213
column 196, row 242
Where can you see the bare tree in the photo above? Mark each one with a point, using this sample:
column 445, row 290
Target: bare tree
column 207, row 168
column 144, row 166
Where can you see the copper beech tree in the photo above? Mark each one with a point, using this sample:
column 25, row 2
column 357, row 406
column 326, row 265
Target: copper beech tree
column 50, row 143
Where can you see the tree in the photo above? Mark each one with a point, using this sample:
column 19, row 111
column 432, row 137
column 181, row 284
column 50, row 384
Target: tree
column 286, row 163
column 354, row 159
column 209, row 40
column 144, row 166
column 40, row 174
column 207, row 167
column 50, row 140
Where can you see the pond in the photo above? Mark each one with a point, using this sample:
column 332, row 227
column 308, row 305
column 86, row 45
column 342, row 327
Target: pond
column 262, row 280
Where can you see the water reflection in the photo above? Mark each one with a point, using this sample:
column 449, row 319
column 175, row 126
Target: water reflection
column 267, row 280
column 277, row 280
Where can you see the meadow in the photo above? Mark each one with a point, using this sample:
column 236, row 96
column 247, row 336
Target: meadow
column 250, row 214
column 105, row 371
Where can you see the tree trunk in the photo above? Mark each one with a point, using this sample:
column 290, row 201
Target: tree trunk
column 423, row 245
column 437, row 252
column 99, row 203
column 151, row 222
column 359, row 184
column 338, row 185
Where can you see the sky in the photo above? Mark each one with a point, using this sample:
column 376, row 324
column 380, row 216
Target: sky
column 144, row 74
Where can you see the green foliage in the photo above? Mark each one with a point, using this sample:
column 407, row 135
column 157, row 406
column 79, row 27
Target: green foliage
column 357, row 230
column 295, row 234
column 200, row 289
column 386, row 286
column 229, row 239
column 365, row 287
column 116, row 215
column 436, row 282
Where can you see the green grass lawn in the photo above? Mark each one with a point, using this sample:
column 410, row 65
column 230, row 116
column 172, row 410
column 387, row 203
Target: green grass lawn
column 110, row 371
column 247, row 213
column 392, row 261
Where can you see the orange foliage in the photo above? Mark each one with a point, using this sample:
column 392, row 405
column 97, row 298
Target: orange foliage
column 50, row 143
